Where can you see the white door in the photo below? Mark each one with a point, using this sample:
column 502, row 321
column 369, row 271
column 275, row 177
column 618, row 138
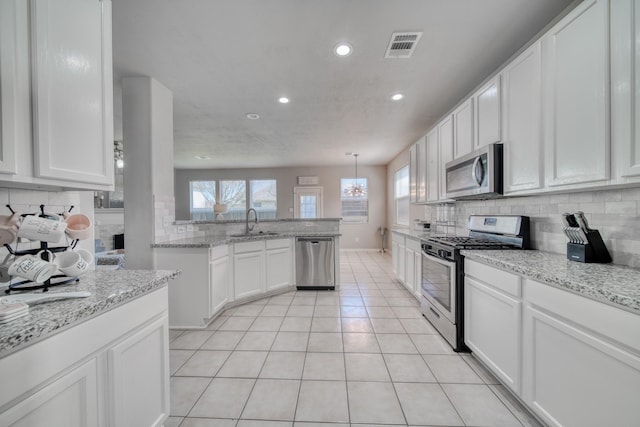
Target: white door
column 307, row 202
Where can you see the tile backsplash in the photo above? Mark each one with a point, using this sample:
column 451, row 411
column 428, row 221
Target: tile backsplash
column 615, row 213
column 29, row 201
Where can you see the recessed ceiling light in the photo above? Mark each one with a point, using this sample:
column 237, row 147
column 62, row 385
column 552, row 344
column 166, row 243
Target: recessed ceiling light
column 202, row 157
column 283, row 100
column 253, row 116
column 343, row 49
column 397, row 96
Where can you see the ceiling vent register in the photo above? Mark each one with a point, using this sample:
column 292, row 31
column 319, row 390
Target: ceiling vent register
column 402, row 44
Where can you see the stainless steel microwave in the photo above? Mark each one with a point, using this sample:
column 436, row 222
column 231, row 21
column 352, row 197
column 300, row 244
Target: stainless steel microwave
column 477, row 175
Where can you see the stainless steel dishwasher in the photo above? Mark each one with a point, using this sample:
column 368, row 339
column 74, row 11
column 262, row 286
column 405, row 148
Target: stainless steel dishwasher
column 315, row 263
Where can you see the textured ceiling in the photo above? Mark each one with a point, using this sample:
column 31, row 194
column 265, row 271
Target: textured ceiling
column 226, row 58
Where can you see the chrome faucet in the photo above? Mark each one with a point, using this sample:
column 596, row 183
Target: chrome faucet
column 247, row 229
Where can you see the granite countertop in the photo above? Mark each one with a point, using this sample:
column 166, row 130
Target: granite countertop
column 413, row 234
column 109, row 289
column 224, row 239
column 609, row 283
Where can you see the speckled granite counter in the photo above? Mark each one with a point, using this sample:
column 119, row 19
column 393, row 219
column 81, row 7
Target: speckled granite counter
column 109, row 289
column 224, row 239
column 413, row 234
column 608, row 283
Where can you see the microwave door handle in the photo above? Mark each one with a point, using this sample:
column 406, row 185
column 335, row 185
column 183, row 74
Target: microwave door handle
column 477, row 173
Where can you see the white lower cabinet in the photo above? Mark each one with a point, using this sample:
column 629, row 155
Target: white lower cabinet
column 111, row 370
column 69, row 401
column 219, row 279
column 278, row 264
column 581, row 360
column 572, row 360
column 248, row 269
column 139, row 368
column 413, row 266
column 493, row 320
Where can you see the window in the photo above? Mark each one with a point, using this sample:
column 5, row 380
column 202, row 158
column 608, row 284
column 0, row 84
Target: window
column 234, row 195
column 263, row 198
column 203, row 197
column 355, row 208
column 401, row 195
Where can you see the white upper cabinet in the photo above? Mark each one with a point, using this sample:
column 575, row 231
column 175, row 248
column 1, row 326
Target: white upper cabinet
column 575, row 96
column 56, row 89
column 488, row 113
column 413, row 173
column 445, row 152
column 12, row 64
column 72, row 90
column 421, row 178
column 522, row 126
column 463, row 129
column 625, row 87
column 433, row 165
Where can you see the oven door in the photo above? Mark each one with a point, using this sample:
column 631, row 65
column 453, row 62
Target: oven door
column 439, row 284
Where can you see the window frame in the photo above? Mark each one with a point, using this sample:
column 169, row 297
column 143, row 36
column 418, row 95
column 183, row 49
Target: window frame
column 402, row 198
column 354, row 219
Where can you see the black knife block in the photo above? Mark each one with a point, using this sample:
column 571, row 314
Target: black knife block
column 593, row 252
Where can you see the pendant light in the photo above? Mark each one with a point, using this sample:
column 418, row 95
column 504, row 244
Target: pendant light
column 356, row 189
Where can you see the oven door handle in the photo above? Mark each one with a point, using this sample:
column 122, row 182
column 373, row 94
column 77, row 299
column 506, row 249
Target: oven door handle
column 440, row 261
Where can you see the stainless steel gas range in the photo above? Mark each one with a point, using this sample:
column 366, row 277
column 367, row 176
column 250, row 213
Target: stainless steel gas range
column 442, row 298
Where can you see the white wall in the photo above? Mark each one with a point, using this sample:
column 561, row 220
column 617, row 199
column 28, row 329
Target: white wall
column 361, row 236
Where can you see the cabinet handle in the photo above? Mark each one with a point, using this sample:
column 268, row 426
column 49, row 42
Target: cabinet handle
column 434, row 312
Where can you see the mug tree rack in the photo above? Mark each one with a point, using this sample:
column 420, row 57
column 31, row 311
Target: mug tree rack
column 56, row 279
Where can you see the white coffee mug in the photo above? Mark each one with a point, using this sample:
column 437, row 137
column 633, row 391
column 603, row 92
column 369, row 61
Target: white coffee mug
column 46, row 230
column 86, row 255
column 71, row 263
column 32, row 268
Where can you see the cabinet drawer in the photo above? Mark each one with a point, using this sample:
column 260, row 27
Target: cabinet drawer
column 242, row 247
column 506, row 282
column 218, row 252
column 608, row 321
column 278, row 243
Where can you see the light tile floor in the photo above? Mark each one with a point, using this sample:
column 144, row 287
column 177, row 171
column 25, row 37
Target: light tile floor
column 362, row 355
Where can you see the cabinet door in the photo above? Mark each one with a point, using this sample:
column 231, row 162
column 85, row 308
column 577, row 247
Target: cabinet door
column 413, row 166
column 410, row 269
column 445, row 152
column 394, row 255
column 574, row 378
column 70, row 401
column 219, row 283
column 72, row 90
column 248, row 274
column 279, row 268
column 576, row 101
column 488, row 113
column 417, row 264
column 522, row 122
column 433, row 167
column 421, row 178
column 402, row 274
column 463, row 129
column 139, row 368
column 13, row 85
column 492, row 330
column 625, row 86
